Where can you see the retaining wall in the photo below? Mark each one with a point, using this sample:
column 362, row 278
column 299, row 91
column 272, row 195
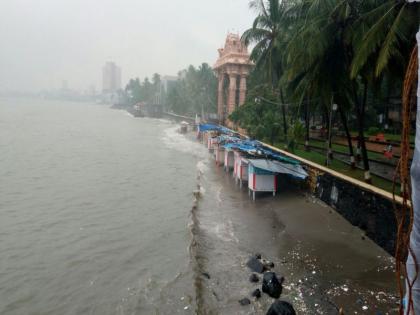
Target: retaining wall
column 363, row 205
column 371, row 212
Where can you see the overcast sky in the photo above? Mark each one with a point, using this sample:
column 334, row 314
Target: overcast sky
column 44, row 42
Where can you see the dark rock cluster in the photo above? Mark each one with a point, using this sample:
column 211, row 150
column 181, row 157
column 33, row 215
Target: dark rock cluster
column 271, row 285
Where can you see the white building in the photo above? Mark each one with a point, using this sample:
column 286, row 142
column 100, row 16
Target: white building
column 111, row 77
column 166, row 82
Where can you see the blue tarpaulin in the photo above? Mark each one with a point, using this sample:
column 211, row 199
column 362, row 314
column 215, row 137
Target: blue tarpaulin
column 207, row 127
column 253, row 147
column 263, row 167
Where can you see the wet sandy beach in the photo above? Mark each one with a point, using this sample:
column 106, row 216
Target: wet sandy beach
column 327, row 263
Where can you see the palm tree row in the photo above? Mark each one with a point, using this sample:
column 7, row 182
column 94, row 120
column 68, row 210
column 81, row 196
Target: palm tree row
column 315, row 53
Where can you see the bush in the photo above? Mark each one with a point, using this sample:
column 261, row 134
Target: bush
column 372, row 131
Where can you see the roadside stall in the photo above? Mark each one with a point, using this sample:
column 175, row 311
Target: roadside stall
column 263, row 175
column 240, row 171
column 229, row 159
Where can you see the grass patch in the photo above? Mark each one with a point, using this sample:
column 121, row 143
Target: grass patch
column 343, row 168
column 344, row 149
column 389, row 136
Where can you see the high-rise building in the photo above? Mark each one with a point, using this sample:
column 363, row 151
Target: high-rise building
column 167, row 82
column 111, row 77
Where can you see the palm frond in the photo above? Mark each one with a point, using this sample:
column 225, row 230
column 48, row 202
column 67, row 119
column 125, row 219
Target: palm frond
column 389, row 47
column 371, row 41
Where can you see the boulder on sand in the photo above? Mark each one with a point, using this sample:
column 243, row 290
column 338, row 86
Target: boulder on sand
column 281, row 308
column 254, row 278
column 271, row 284
column 255, row 265
column 244, row 301
column 256, row 293
column 268, row 265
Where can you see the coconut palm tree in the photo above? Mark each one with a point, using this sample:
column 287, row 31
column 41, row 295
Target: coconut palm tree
column 269, row 33
column 319, row 68
column 385, row 32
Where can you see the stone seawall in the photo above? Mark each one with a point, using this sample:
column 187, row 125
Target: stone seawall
column 363, row 205
column 371, row 212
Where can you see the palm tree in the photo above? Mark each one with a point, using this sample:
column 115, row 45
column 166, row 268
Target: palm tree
column 269, row 33
column 384, row 33
column 319, row 68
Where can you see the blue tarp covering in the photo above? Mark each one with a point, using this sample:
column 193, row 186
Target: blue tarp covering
column 253, row 147
column 207, row 127
column 264, row 167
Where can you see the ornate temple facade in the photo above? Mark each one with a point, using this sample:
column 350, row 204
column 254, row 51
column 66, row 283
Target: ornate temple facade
column 232, row 69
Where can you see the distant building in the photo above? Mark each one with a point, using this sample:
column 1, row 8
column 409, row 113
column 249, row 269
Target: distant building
column 111, row 77
column 167, row 81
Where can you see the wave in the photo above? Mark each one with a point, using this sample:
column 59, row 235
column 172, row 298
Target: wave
column 195, row 256
column 180, row 142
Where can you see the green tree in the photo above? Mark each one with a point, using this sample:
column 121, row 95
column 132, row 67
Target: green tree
column 133, row 89
column 260, row 114
column 269, row 34
column 194, row 92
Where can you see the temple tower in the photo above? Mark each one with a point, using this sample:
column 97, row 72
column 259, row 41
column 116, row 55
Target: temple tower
column 232, row 69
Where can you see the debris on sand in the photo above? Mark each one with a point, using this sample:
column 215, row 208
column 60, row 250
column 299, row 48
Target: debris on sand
column 281, row 308
column 254, row 278
column 271, row 284
column 256, row 293
column 255, row 265
column 244, row 301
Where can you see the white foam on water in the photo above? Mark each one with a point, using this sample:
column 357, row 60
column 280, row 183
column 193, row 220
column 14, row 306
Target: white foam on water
column 224, row 231
column 163, row 120
column 177, row 141
column 219, row 194
column 202, row 167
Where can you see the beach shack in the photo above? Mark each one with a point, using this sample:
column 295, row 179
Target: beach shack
column 240, row 169
column 211, row 141
column 229, row 158
column 202, row 136
column 263, row 175
column 183, row 127
column 219, row 154
column 209, row 134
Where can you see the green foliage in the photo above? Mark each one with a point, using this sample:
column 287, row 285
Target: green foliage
column 296, row 134
column 145, row 91
column 259, row 116
column 351, row 53
column 194, row 92
column 384, row 33
column 373, row 131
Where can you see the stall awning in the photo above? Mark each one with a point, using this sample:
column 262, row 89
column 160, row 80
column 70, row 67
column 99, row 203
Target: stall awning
column 279, row 167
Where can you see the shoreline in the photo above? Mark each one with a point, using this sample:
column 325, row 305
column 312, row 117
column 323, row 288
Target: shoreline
column 313, row 283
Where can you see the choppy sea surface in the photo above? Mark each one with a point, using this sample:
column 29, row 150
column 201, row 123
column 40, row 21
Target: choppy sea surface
column 104, row 213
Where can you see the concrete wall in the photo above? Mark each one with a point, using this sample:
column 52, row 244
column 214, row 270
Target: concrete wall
column 371, row 212
column 363, row 205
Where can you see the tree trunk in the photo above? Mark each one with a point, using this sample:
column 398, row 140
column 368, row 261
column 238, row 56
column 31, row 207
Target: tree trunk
column 307, row 126
column 358, row 151
column 283, row 110
column 360, row 111
column 348, row 136
column 330, row 129
column 327, row 128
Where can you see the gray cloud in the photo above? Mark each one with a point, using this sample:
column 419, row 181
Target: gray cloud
column 47, row 41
